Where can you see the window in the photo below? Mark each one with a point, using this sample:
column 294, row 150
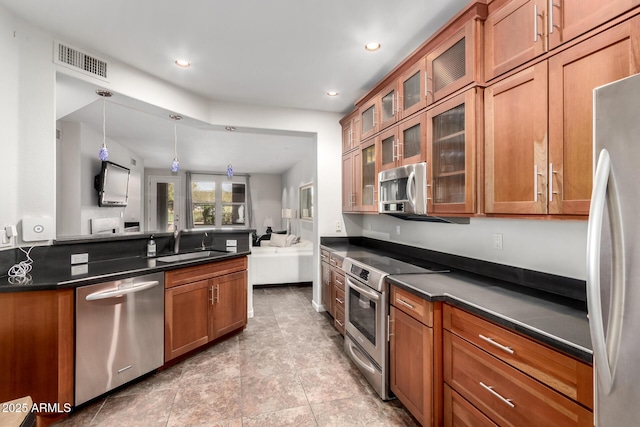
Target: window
column 218, row 201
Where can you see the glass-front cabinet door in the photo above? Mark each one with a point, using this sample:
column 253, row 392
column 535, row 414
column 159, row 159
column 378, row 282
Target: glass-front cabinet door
column 451, row 159
column 411, row 140
column 350, row 132
column 451, row 66
column 387, row 148
column 369, row 179
column 412, row 89
column 388, row 106
column 369, row 119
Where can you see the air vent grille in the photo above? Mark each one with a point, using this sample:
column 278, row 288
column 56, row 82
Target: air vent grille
column 82, row 61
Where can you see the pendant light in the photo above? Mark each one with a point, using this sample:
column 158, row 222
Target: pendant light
column 103, row 154
column 175, row 165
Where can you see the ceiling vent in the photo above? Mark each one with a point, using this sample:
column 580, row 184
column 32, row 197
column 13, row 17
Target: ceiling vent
column 75, row 59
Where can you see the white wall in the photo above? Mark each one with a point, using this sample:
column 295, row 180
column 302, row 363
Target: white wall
column 303, row 172
column 556, row 247
column 27, row 133
column 265, row 198
column 78, row 163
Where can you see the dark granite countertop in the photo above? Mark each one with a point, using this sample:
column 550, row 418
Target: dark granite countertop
column 556, row 320
column 548, row 319
column 52, row 276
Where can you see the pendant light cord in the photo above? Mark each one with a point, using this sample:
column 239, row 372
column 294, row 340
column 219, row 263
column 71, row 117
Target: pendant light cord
column 104, row 123
column 175, row 140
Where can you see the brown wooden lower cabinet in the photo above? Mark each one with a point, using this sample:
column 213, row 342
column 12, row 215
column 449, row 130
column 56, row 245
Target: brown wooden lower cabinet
column 508, row 378
column 415, row 355
column 228, row 310
column 36, row 346
column 208, row 307
column 460, row 413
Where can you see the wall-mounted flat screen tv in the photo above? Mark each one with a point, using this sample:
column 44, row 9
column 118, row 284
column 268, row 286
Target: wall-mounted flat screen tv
column 112, row 184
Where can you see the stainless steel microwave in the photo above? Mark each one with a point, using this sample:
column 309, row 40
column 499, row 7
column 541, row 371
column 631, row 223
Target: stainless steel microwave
column 403, row 190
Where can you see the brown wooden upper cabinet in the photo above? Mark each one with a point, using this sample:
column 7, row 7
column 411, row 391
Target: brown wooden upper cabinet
column 350, row 132
column 368, row 181
column 369, row 118
column 403, row 144
column 455, row 63
column 535, row 168
column 516, row 143
column 523, row 29
column 412, row 89
column 360, row 179
column 452, row 132
column 389, row 108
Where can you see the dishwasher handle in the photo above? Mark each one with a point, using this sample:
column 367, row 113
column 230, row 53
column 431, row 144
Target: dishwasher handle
column 120, row 292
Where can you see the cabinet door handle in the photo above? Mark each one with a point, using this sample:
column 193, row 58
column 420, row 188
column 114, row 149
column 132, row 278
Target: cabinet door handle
column 339, row 282
column 406, row 304
column 490, row 389
column 211, row 299
column 551, row 24
column 340, row 323
column 496, row 344
column 536, row 193
column 551, row 192
column 339, row 301
column 218, row 294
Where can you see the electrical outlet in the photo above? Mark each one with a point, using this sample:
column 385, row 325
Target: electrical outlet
column 79, row 258
column 338, row 226
column 232, row 243
column 497, row 241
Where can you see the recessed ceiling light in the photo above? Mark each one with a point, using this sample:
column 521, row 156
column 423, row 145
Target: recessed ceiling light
column 183, row 63
column 332, row 93
column 373, row 46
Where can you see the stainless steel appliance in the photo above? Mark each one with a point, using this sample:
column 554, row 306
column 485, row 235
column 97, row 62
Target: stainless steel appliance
column 119, row 333
column 613, row 254
column 366, row 339
column 403, row 190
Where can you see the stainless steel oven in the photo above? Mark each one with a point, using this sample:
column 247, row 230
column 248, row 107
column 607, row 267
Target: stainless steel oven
column 367, row 314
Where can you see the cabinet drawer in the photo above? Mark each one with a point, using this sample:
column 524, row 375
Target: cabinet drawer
column 460, row 413
column 338, row 320
column 335, row 260
column 563, row 373
column 416, row 307
column 205, row 271
column 339, row 299
column 504, row 394
column 324, row 255
column 338, row 280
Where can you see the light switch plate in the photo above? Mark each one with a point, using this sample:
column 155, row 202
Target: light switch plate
column 232, row 243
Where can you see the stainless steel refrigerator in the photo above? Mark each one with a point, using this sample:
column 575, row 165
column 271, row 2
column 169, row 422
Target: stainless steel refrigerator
column 613, row 254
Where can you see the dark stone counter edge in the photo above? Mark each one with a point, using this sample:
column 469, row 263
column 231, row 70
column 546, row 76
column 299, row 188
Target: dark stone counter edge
column 551, row 340
column 116, row 275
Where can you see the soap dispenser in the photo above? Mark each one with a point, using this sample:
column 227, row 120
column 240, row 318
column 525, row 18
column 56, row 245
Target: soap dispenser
column 151, row 247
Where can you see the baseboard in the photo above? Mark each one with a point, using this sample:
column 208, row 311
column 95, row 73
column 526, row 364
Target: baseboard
column 318, row 307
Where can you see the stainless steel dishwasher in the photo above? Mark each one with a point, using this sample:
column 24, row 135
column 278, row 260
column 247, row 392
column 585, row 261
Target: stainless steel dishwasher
column 119, row 333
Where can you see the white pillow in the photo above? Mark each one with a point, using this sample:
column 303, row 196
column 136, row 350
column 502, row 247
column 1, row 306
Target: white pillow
column 278, row 240
column 292, row 239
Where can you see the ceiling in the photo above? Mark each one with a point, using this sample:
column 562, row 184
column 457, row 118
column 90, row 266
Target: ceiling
column 285, row 53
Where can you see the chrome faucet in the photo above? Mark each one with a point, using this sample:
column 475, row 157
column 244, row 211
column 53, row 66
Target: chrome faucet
column 202, row 246
column 176, row 241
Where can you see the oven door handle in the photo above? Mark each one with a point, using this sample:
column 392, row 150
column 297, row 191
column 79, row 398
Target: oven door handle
column 358, row 360
column 111, row 293
column 371, row 295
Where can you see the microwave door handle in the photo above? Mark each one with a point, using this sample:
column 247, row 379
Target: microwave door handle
column 410, row 195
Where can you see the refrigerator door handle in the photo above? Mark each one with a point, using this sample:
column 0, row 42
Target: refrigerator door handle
column 605, row 349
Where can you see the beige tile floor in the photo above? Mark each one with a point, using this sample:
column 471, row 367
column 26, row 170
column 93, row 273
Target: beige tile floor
column 287, row 368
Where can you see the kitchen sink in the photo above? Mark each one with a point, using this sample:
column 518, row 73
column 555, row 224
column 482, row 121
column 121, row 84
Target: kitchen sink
column 188, row 256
